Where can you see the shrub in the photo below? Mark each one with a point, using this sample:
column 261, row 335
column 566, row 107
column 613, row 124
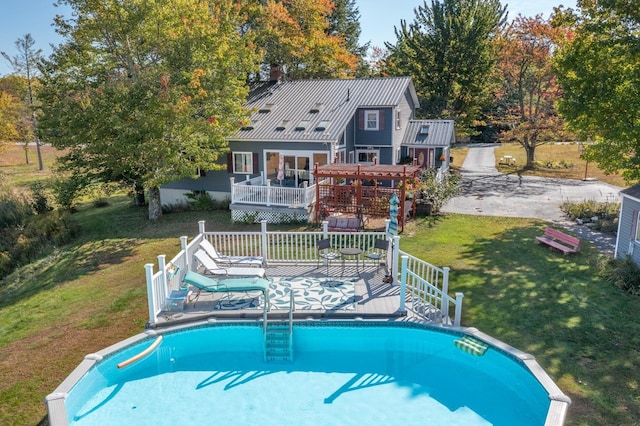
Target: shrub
column 201, row 201
column 623, row 273
column 607, row 214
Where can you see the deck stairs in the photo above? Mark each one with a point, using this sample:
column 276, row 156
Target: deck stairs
column 278, row 338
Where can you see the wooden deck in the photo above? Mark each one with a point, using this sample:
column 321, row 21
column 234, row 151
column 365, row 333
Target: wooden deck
column 373, row 297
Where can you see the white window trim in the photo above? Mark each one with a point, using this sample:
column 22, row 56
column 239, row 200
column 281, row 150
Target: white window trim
column 376, row 153
column 398, row 120
column 249, row 163
column 366, row 119
column 637, row 236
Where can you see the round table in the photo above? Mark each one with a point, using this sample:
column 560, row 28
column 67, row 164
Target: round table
column 351, row 251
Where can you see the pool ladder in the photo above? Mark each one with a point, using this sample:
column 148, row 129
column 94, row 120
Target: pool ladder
column 278, row 337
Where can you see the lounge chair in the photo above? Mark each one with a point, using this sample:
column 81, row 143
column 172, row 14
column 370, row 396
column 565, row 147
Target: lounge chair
column 210, row 285
column 211, row 268
column 230, row 260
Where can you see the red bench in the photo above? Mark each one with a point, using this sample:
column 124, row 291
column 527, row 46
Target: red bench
column 559, row 240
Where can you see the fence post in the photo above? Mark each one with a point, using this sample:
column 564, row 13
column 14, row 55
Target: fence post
column 445, row 291
column 268, row 192
column 459, row 297
column 151, row 297
column 183, row 246
column 201, row 226
column 403, row 283
column 395, row 259
column 325, row 229
column 162, row 267
column 263, row 226
column 233, row 189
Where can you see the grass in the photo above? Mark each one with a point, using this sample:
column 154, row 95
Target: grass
column 557, row 160
column 90, row 294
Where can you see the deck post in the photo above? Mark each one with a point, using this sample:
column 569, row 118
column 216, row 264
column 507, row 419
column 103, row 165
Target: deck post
column 459, row 297
column 445, row 290
column 183, row 246
column 395, row 259
column 325, row 229
column 232, row 180
column 201, row 226
column 162, row 267
column 263, row 227
column 268, row 192
column 403, row 283
column 151, row 297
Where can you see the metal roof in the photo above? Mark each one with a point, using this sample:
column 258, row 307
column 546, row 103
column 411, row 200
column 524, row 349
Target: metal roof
column 632, row 192
column 281, row 109
column 440, row 133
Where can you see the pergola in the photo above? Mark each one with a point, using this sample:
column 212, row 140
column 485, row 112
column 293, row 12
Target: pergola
column 353, row 188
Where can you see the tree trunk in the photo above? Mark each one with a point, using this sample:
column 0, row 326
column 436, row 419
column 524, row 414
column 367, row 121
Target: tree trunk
column 138, row 196
column 530, row 150
column 26, row 153
column 155, row 208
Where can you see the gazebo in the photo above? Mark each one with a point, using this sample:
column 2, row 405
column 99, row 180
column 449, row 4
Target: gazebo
column 354, row 189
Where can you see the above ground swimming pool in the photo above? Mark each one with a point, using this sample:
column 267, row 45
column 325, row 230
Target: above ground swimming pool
column 347, row 373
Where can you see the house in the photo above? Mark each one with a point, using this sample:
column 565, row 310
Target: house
column 628, row 239
column 298, row 124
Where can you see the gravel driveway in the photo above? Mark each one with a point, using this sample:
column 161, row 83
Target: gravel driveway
column 485, row 191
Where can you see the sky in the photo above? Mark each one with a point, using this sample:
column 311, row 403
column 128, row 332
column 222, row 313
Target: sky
column 378, row 19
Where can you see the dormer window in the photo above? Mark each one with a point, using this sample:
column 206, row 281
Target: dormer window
column 302, row 125
column 316, row 108
column 322, row 126
column 424, row 129
column 398, row 120
column 282, row 126
column 266, row 109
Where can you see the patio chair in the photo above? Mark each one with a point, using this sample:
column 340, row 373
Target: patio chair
column 230, row 260
column 325, row 252
column 378, row 252
column 211, row 268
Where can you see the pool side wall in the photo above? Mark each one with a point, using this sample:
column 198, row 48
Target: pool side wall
column 556, row 415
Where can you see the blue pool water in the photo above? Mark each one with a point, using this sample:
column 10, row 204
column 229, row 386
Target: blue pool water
column 343, row 375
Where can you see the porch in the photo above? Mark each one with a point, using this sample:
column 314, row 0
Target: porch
column 346, row 288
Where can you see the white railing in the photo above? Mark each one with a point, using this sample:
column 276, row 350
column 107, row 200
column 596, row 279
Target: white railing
column 260, row 192
column 424, row 285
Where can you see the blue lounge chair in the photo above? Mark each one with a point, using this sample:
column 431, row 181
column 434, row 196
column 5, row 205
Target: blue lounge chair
column 210, row 285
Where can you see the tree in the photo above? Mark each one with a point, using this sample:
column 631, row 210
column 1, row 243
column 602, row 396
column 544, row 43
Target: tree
column 525, row 101
column 300, row 37
column 25, row 63
column 598, row 72
column 344, row 21
column 146, row 92
column 448, row 51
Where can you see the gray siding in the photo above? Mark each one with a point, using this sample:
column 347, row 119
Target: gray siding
column 626, row 230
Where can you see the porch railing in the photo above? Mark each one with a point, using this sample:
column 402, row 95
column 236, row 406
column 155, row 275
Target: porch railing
column 423, row 284
column 259, row 191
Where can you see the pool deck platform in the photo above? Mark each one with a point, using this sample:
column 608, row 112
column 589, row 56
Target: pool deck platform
column 373, row 298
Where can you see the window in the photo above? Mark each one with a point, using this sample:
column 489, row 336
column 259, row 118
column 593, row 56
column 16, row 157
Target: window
column 367, row 156
column 282, row 126
column 242, row 162
column 266, row 109
column 250, row 126
column 424, row 129
column 371, row 120
column 316, row 109
column 398, row 120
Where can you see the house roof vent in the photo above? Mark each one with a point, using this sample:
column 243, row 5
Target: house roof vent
column 322, row 126
column 282, row 126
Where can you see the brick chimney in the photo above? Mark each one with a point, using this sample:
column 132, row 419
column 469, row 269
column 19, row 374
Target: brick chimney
column 275, row 74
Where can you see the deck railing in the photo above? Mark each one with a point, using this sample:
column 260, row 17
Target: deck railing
column 257, row 191
column 424, row 285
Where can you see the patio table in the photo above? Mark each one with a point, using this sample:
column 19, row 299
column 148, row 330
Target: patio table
column 353, row 252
